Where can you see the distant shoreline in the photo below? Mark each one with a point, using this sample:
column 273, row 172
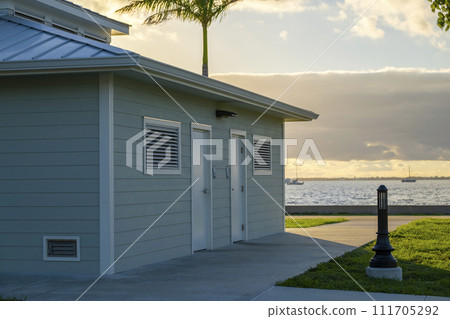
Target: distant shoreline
column 374, row 179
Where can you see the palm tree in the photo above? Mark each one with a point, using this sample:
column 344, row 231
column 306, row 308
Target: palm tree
column 201, row 11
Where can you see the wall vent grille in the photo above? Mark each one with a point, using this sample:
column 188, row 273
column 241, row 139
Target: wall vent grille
column 64, row 248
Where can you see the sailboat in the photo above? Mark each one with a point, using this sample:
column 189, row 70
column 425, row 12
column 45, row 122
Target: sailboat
column 409, row 179
column 295, row 181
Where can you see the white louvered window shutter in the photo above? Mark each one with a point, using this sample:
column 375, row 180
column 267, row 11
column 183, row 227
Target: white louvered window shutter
column 162, row 147
column 262, row 155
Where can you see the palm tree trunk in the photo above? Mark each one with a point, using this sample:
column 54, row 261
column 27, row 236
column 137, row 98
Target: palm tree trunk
column 205, row 51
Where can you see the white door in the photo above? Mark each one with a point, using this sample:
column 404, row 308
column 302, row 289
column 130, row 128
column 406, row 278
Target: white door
column 238, row 190
column 201, row 195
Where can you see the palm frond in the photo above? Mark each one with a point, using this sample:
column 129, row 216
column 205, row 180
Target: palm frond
column 220, row 9
column 202, row 11
column 161, row 10
column 161, row 16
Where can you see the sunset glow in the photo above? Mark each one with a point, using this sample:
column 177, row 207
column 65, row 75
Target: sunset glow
column 381, row 90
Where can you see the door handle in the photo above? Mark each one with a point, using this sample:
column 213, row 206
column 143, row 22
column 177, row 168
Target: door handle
column 205, row 190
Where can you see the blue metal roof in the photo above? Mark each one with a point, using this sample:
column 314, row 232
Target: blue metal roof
column 24, row 40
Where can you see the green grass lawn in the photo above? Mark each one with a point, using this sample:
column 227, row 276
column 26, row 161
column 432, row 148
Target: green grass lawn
column 422, row 249
column 312, row 222
column 12, row 299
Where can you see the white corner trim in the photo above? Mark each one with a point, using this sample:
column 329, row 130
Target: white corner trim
column 106, row 163
column 45, row 256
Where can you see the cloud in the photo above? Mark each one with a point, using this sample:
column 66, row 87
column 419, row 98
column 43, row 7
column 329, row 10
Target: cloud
column 138, row 31
column 340, row 17
column 262, row 6
column 284, row 35
column 350, row 169
column 367, row 27
column 389, row 114
column 279, row 6
column 107, row 8
column 412, row 17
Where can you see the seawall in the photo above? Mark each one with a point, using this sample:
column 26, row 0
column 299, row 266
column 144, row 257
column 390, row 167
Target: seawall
column 368, row 209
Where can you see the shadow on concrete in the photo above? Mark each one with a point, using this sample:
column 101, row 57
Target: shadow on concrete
column 235, row 272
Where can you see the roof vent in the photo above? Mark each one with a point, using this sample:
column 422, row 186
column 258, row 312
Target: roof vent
column 29, row 17
column 66, row 16
column 64, row 28
column 61, row 248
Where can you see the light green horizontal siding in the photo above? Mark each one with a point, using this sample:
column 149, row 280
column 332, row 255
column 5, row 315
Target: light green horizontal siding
column 157, row 254
column 140, row 199
column 48, row 199
column 52, row 107
column 49, row 159
column 265, row 216
column 61, row 172
column 63, row 117
column 49, row 212
column 18, row 240
column 49, row 174
column 123, row 211
column 143, row 222
column 48, row 132
column 49, row 145
column 166, row 231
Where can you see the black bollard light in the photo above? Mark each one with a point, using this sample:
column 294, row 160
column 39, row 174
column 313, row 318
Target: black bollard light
column 383, row 257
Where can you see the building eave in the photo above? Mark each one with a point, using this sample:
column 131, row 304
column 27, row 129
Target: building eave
column 292, row 113
column 161, row 71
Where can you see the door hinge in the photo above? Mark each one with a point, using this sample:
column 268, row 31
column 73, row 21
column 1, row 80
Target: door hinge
column 242, row 150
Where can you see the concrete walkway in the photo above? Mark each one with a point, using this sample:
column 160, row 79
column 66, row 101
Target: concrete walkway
column 358, row 231
column 237, row 272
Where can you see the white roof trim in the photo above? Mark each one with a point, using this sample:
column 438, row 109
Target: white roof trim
column 80, row 12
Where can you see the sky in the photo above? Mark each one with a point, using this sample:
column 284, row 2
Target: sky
column 377, row 72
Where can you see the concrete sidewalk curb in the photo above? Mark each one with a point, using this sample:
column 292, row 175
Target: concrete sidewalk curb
column 311, row 294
